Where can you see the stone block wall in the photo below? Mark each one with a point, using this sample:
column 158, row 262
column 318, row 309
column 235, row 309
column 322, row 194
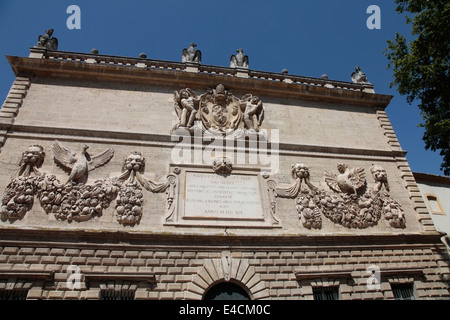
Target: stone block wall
column 159, row 272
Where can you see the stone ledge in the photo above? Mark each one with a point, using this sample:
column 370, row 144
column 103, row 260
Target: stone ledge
column 103, row 136
column 309, row 89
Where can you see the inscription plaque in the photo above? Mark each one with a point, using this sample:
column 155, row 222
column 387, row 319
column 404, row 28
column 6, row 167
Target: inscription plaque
column 218, row 196
column 207, row 199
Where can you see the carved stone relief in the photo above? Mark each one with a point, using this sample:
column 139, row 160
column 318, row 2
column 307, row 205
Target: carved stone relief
column 18, row 197
column 129, row 204
column 222, row 165
column 76, row 200
column 79, row 165
column 350, row 203
column 218, row 112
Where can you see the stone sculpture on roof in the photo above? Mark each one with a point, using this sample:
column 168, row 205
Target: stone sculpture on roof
column 191, row 54
column 47, row 41
column 358, row 76
column 240, row 60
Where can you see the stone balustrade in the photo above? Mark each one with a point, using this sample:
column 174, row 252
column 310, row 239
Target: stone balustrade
column 145, row 63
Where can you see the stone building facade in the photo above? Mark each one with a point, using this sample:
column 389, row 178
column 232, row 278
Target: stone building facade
column 135, row 178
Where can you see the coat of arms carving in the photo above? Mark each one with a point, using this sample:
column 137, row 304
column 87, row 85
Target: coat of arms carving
column 218, row 112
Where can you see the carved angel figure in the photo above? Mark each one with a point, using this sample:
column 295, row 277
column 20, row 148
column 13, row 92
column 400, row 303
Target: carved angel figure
column 185, row 103
column 347, row 181
column 240, row 60
column 79, row 166
column 253, row 112
column 47, row 41
column 191, row 54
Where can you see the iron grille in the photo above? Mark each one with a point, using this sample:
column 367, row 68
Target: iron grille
column 117, row 295
column 404, row 291
column 13, row 294
column 326, row 293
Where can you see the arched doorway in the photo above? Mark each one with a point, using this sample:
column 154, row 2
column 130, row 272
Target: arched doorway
column 226, row 291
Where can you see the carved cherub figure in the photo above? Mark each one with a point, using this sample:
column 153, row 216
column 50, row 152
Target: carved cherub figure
column 186, row 105
column 80, row 165
column 347, row 181
column 253, row 112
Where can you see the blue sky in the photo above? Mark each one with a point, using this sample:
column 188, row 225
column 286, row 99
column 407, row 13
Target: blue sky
column 309, row 38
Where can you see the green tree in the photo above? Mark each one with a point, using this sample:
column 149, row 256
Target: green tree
column 421, row 69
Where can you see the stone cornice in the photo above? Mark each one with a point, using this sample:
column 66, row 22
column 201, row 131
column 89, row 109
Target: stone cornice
column 196, row 76
column 150, row 139
column 213, row 240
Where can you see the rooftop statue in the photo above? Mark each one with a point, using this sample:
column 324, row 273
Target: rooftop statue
column 191, row 54
column 47, row 41
column 358, row 76
column 240, row 60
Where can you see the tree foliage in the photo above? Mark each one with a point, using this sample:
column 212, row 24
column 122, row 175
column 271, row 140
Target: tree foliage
column 421, row 69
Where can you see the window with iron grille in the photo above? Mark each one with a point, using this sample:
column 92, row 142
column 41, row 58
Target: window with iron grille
column 326, row 293
column 13, row 294
column 403, row 291
column 117, row 295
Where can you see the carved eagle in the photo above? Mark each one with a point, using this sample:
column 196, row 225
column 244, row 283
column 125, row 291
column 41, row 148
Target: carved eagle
column 347, row 181
column 79, row 165
column 239, row 60
column 191, row 54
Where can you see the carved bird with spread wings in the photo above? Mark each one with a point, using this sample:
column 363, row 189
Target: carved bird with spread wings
column 240, row 60
column 79, row 166
column 191, row 54
column 348, row 181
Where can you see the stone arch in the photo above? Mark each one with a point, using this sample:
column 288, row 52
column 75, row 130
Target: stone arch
column 221, row 287
column 234, row 270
